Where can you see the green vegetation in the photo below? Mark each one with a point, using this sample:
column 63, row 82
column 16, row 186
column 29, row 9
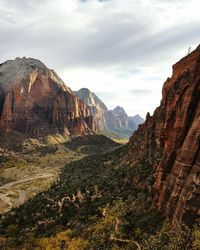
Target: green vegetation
column 170, row 237
column 98, row 198
column 91, row 144
column 34, row 170
column 119, row 134
column 101, row 201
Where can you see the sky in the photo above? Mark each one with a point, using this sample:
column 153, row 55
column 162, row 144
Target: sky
column 122, row 50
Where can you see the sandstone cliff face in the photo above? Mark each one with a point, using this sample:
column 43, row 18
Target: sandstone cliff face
column 109, row 122
column 97, row 108
column 34, row 101
column 117, row 118
column 170, row 140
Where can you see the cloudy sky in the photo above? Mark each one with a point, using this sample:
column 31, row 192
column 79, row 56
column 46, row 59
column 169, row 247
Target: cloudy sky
column 122, row 50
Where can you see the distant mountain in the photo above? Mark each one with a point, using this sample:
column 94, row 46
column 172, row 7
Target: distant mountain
column 136, row 119
column 97, row 108
column 117, row 118
column 113, row 123
column 34, row 101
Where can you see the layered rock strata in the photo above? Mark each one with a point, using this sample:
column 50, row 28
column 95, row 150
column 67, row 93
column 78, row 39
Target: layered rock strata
column 34, row 101
column 170, row 141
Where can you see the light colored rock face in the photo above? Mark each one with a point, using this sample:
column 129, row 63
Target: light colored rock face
column 95, row 105
column 121, row 116
column 13, row 72
column 35, row 101
column 170, row 140
column 107, row 120
column 118, row 119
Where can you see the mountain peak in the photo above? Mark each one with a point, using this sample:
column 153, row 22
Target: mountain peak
column 23, row 63
column 137, row 116
column 137, row 119
column 90, row 98
column 85, row 90
column 25, row 70
column 119, row 110
column 95, row 105
column 13, row 71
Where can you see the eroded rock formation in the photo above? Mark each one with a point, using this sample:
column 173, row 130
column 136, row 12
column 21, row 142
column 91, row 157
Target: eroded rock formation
column 117, row 118
column 34, row 101
column 97, row 108
column 170, row 140
column 115, row 121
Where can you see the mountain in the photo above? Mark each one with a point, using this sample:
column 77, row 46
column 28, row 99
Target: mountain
column 113, row 123
column 136, row 120
column 34, row 101
column 170, row 140
column 117, row 118
column 118, row 124
column 97, row 108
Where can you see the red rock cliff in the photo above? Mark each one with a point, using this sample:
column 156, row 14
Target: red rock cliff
column 170, row 140
column 35, row 101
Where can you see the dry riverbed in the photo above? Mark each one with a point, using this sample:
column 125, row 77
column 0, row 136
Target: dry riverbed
column 25, row 175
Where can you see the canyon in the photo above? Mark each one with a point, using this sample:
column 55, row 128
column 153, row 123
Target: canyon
column 105, row 194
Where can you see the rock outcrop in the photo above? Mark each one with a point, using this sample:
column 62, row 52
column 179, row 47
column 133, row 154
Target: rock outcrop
column 97, row 108
column 170, row 140
column 118, row 118
column 34, row 101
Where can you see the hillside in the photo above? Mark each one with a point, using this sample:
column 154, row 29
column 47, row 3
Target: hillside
column 36, row 165
column 34, row 101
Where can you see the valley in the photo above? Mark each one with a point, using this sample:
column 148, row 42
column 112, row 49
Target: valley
column 65, row 185
column 102, row 201
column 23, row 175
column 91, row 193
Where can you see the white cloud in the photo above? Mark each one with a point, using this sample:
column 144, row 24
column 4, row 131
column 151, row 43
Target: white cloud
column 112, row 47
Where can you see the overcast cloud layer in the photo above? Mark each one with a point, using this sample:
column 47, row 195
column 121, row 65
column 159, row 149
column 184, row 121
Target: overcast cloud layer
column 122, row 50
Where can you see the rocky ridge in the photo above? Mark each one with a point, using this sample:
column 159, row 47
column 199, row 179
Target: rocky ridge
column 136, row 119
column 35, row 101
column 97, row 108
column 115, row 120
column 170, row 140
column 118, row 118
